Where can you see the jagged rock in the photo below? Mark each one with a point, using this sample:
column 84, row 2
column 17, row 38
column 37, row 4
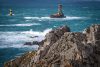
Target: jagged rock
column 21, row 61
column 54, row 35
column 51, row 38
column 93, row 35
column 62, row 48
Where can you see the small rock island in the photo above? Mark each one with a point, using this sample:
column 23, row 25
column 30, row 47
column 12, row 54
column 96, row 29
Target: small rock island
column 63, row 48
column 59, row 14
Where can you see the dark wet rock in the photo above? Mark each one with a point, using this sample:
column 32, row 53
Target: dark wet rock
column 36, row 43
column 33, row 43
column 62, row 48
column 28, row 43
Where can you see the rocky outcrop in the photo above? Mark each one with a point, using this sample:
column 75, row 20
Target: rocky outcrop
column 62, row 48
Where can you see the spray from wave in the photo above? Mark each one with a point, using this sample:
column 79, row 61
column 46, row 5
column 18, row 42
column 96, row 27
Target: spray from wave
column 17, row 39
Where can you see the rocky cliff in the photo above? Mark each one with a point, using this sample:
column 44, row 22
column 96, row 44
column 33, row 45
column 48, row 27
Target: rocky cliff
column 62, row 48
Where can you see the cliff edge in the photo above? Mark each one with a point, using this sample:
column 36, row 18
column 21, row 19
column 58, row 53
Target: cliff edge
column 62, row 48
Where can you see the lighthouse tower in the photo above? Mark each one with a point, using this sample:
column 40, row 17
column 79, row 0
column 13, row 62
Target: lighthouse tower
column 59, row 14
column 60, row 9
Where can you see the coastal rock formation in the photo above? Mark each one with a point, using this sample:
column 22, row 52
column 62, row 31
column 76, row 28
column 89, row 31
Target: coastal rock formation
column 62, row 48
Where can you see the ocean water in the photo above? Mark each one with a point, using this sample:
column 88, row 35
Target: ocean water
column 35, row 21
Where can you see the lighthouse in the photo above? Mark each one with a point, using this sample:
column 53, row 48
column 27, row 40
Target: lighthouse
column 60, row 9
column 59, row 14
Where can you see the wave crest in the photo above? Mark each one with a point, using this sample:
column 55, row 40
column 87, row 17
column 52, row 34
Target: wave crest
column 53, row 19
column 27, row 24
column 17, row 39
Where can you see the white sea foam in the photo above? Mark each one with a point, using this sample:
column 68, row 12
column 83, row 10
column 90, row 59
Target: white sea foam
column 40, row 35
column 17, row 39
column 54, row 19
column 27, row 24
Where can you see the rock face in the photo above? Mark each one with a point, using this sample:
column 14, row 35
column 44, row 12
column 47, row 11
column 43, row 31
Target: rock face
column 62, row 48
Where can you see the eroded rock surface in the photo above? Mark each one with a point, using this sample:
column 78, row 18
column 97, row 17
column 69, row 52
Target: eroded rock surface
column 62, row 48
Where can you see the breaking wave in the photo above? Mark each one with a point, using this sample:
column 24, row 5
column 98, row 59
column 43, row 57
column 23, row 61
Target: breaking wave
column 53, row 19
column 17, row 39
column 27, row 24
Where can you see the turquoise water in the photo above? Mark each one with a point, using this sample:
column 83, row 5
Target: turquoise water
column 35, row 21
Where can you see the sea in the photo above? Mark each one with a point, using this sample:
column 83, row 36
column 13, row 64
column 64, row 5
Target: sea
column 34, row 20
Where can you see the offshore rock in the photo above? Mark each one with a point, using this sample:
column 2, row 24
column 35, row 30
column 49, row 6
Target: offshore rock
column 32, row 43
column 28, row 43
column 62, row 48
